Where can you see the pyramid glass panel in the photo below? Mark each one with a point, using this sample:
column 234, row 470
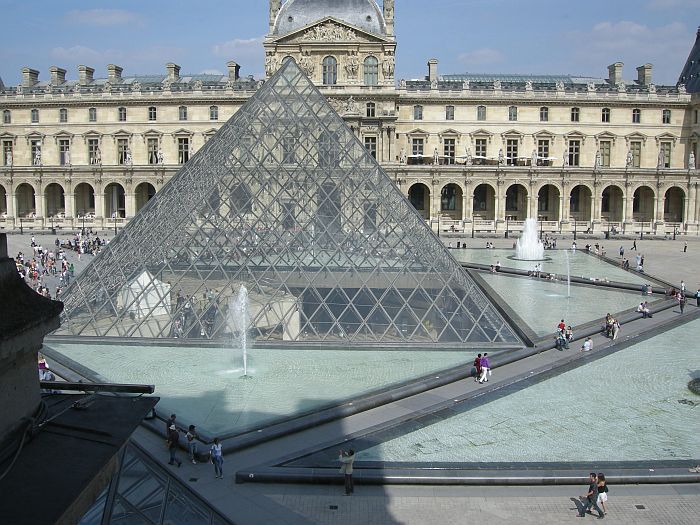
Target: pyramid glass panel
column 285, row 201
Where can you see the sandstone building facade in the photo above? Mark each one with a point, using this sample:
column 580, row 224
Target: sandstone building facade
column 471, row 152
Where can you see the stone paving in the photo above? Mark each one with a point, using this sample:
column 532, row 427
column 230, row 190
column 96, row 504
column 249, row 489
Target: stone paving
column 300, row 504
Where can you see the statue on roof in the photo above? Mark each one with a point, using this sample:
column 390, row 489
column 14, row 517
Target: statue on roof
column 560, row 85
column 136, row 86
column 496, row 84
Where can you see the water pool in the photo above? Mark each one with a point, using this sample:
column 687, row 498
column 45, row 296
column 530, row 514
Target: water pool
column 623, row 407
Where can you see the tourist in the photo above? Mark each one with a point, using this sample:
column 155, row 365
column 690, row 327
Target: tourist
column 587, row 345
column 697, row 298
column 191, row 437
column 681, row 301
column 634, row 245
column 643, row 308
column 615, row 329
column 477, row 366
column 216, row 456
column 602, row 492
column 561, row 342
column 347, row 458
column 498, row 266
column 569, row 334
column 683, row 287
column 573, row 246
column 485, row 369
column 173, row 440
column 561, row 326
column 169, row 423
column 590, row 498
column 685, row 247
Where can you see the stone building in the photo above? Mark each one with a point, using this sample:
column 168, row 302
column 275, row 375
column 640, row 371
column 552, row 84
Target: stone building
column 471, row 152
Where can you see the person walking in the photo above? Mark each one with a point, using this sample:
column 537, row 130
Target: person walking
column 216, row 456
column 685, row 247
column 485, row 369
column 191, row 438
column 602, row 492
column 169, row 423
column 590, row 498
column 347, row 458
column 681, row 301
column 634, row 245
column 477, row 365
column 622, row 252
column 697, row 298
column 173, row 440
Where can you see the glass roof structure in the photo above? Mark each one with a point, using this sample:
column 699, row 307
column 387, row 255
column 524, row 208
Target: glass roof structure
column 285, row 201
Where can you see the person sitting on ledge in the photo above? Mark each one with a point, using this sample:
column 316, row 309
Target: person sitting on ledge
column 643, row 308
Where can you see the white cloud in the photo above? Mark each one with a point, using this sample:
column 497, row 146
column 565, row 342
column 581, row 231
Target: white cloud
column 79, row 54
column 666, row 47
column 480, row 57
column 239, row 49
column 102, row 17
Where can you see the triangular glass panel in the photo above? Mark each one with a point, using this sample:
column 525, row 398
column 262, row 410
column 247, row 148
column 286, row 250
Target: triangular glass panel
column 285, row 201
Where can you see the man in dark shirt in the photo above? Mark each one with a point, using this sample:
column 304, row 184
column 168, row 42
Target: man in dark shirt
column 591, row 497
column 173, row 440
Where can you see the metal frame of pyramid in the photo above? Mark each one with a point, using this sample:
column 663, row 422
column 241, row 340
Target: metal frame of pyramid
column 285, row 200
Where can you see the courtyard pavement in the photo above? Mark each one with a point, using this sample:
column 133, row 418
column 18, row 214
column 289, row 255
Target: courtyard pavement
column 391, row 504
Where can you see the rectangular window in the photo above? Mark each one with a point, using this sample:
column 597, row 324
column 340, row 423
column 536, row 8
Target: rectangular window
column 121, row 114
column 417, row 147
column 183, row 149
column 511, row 152
column 575, row 114
column 449, row 112
column 666, row 116
column 93, row 151
column 92, row 114
column 152, row 113
column 182, row 113
column 214, row 113
column 480, row 148
column 481, row 113
column 122, row 149
column 543, row 151
column 371, row 146
column 417, row 112
column 63, row 115
column 6, row 117
column 605, row 148
column 7, row 159
column 636, row 150
column 35, row 116
column 544, row 114
column 605, row 115
column 666, row 154
column 152, row 149
column 64, row 152
column 288, row 150
column 449, row 151
column 371, row 110
column 513, row 113
column 574, row 152
column 636, row 116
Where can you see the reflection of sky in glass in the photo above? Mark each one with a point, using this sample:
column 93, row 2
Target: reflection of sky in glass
column 541, row 304
column 624, row 407
column 204, row 385
column 582, row 264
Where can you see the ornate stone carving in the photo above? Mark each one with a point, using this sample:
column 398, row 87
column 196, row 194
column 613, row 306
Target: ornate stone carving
column 350, row 106
column 691, row 161
column 622, row 88
column 681, row 89
column 652, row 88
column 107, row 87
column 560, row 85
column 306, row 63
column 197, row 85
column 496, row 84
column 327, row 32
column 271, row 64
column 528, row 85
column 352, row 66
column 136, row 86
column 591, row 87
column 389, row 65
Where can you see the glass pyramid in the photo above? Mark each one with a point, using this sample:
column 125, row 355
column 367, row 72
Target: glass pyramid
column 286, row 201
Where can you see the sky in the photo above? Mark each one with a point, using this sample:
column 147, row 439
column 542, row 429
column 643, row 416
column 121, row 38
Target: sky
column 475, row 36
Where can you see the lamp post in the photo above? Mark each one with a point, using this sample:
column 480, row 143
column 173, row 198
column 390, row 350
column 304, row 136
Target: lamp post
column 541, row 228
column 115, row 223
column 472, row 226
column 574, row 227
column 83, row 218
column 507, row 228
column 675, row 231
column 21, row 226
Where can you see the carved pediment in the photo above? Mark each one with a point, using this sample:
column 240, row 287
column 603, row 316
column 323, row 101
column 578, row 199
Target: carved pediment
column 329, row 29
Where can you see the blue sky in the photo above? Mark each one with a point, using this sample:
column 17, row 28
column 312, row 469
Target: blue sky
column 508, row 36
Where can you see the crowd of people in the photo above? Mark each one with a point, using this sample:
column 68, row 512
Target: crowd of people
column 172, row 433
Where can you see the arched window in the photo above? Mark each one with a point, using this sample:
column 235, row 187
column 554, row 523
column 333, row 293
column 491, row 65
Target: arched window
column 513, row 113
column 636, row 116
column 6, row 117
column 330, row 71
column 182, row 112
column 63, row 115
column 544, row 114
column 605, row 115
column 371, row 71
column 214, row 113
column 371, row 109
column 481, row 113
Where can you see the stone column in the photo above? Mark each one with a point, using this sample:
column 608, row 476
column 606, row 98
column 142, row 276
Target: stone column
column 10, row 198
column 692, row 201
column 69, row 197
column 499, row 207
column 561, row 209
column 466, row 209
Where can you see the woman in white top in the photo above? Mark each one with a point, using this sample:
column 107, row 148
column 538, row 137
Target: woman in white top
column 216, row 456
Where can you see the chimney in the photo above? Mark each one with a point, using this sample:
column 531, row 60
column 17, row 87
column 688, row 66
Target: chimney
column 173, row 72
column 29, row 77
column 615, row 73
column 233, row 70
column 275, row 6
column 644, row 74
column 432, row 70
column 85, row 75
column 114, row 74
column 58, row 76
